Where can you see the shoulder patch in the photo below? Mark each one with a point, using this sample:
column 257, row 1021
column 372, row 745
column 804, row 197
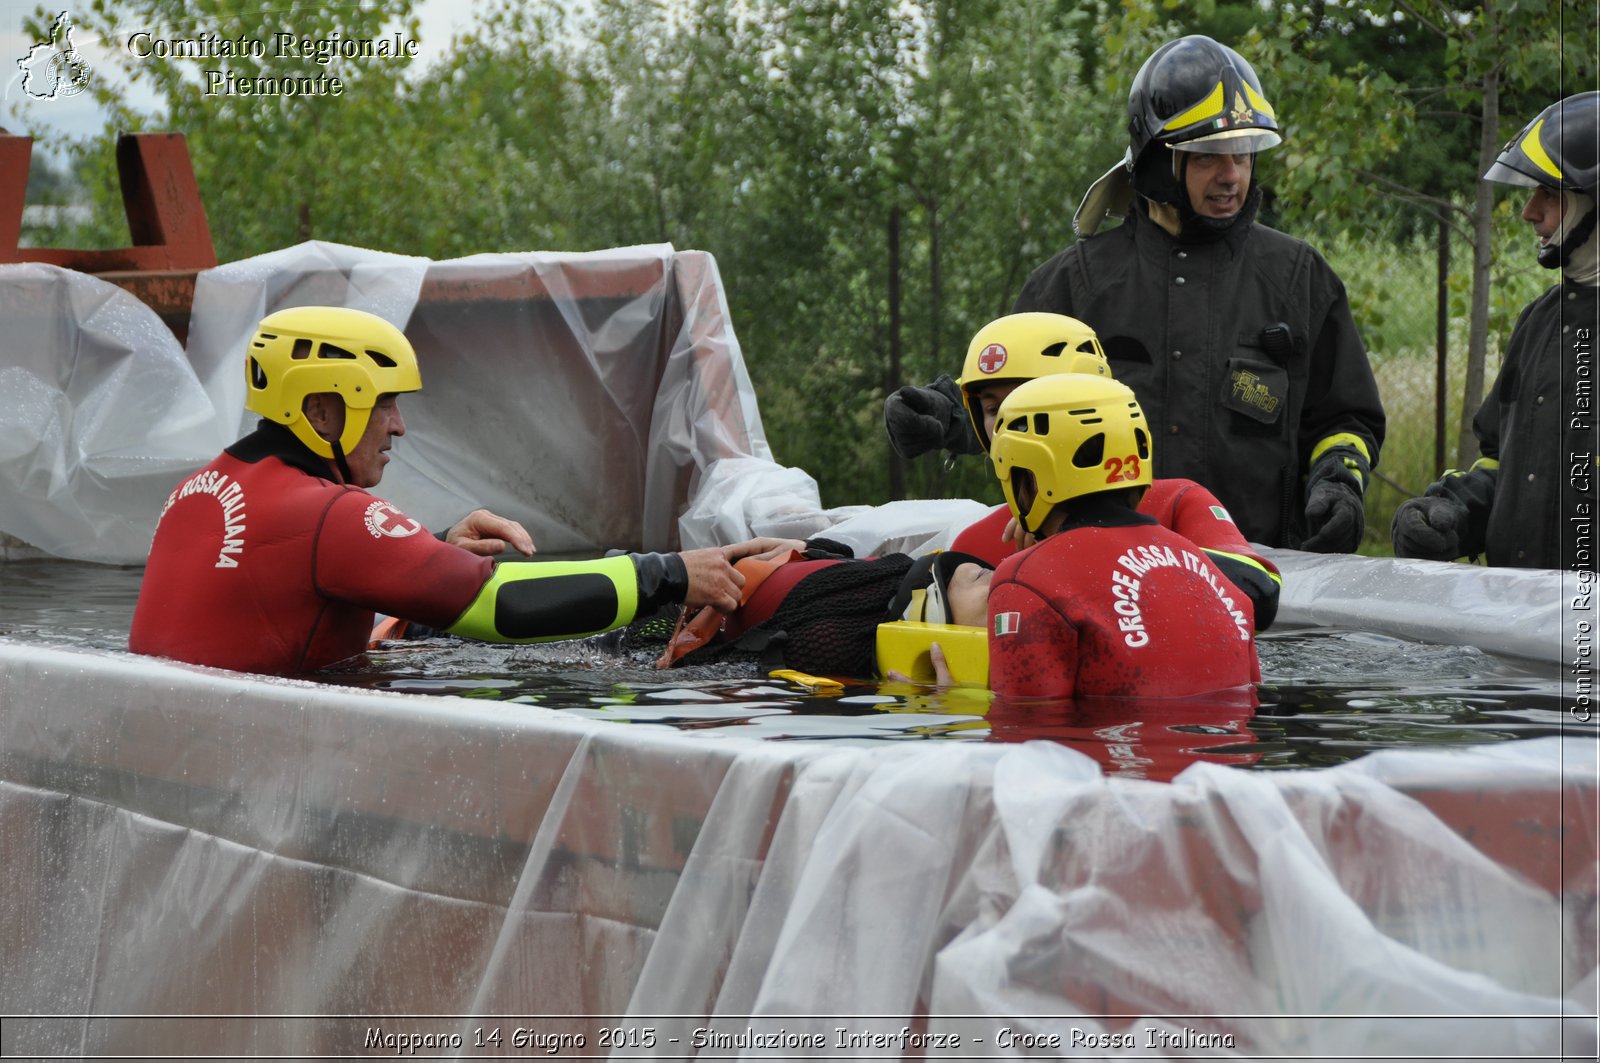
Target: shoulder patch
column 384, row 520
column 1221, row 514
column 1007, row 623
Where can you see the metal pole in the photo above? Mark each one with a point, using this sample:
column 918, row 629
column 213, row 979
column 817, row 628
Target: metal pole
column 1441, row 382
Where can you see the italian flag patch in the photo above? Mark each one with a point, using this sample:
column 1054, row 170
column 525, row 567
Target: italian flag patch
column 1221, row 514
column 1007, row 623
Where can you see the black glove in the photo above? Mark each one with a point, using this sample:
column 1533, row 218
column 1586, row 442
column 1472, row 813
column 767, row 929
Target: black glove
column 922, row 419
column 1429, row 527
column 1451, row 519
column 1336, row 515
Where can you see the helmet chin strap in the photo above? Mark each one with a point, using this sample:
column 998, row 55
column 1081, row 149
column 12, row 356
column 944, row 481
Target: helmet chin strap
column 346, row 477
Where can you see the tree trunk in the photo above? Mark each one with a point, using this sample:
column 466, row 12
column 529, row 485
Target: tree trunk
column 1441, row 340
column 891, row 377
column 935, row 316
column 1482, row 261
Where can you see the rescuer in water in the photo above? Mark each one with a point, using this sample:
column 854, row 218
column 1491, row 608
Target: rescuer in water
column 280, row 536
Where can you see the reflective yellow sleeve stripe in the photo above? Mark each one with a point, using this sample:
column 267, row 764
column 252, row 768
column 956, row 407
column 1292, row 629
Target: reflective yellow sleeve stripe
column 1481, row 465
column 1342, row 439
column 540, row 601
column 1534, row 150
column 1252, row 562
column 1209, row 107
column 1345, row 439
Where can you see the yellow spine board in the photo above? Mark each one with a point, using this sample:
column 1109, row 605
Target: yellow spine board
column 904, row 646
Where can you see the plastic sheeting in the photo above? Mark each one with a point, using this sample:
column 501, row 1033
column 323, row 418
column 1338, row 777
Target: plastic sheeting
column 100, row 415
column 595, row 397
column 1531, row 613
column 180, row 841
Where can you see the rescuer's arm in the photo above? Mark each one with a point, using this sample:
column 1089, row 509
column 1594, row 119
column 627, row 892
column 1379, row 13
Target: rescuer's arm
column 526, row 601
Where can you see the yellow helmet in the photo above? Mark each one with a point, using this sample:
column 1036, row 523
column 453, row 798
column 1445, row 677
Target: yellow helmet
column 1020, row 347
column 311, row 349
column 1064, row 436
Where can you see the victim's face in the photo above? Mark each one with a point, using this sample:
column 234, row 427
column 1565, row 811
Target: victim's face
column 968, row 595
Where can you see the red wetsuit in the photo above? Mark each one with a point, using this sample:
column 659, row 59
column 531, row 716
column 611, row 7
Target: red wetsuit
column 262, row 564
column 1117, row 606
column 1182, row 506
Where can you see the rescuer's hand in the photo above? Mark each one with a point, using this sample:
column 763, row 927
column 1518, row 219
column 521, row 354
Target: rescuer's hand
column 764, row 548
column 941, row 669
column 1335, row 519
column 1017, row 535
column 482, row 532
column 712, row 580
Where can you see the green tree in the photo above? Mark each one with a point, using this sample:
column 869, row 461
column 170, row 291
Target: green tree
column 1495, row 51
column 273, row 168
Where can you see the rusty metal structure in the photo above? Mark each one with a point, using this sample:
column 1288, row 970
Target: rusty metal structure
column 166, row 223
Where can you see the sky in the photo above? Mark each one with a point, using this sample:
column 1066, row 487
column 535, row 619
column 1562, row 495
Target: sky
column 78, row 116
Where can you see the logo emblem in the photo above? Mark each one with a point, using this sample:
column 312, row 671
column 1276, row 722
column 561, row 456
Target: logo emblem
column 992, row 359
column 1241, row 112
column 383, row 520
column 1007, row 623
column 54, row 69
column 1250, row 389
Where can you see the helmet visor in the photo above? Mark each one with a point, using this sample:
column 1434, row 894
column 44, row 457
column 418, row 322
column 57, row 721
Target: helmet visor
column 1245, row 141
column 1506, row 175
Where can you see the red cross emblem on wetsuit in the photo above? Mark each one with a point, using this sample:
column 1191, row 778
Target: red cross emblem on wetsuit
column 383, row 519
column 992, row 359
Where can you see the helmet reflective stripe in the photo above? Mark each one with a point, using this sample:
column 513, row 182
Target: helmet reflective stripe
column 1021, row 347
column 1193, row 90
column 1234, row 138
column 1536, row 154
column 1207, row 108
column 1557, row 149
column 309, row 350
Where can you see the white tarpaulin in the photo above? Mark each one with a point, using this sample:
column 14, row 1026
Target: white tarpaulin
column 259, row 853
column 100, row 415
column 595, row 397
column 1537, row 614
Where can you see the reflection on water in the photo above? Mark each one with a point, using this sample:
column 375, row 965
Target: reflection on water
column 1326, row 696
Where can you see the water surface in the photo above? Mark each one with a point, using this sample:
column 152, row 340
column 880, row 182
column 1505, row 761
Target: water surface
column 1326, row 696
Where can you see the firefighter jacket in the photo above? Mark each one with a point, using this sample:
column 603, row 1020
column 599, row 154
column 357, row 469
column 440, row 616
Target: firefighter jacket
column 1241, row 350
column 1538, row 426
